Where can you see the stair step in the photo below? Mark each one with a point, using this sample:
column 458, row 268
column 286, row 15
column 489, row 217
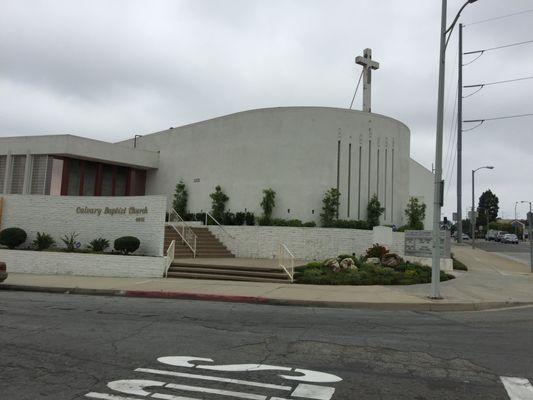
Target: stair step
column 206, row 269
column 223, row 277
column 223, row 266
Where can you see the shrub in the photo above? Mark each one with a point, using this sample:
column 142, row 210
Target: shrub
column 309, row 224
column 458, row 265
column 70, row 241
column 415, row 212
column 330, row 208
column 376, row 250
column 43, row 241
column 374, row 211
column 268, row 203
column 127, row 244
column 12, row 237
column 218, row 202
column 249, row 218
column 228, row 218
column 180, row 198
column 99, row 244
column 350, row 224
column 200, row 217
column 240, row 217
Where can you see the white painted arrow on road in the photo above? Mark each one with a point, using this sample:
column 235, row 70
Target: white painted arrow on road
column 517, row 388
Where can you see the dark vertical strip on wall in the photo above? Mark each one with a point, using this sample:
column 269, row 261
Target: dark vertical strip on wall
column 338, row 168
column 349, row 177
column 386, row 172
column 392, row 187
column 377, row 177
column 359, row 188
column 369, row 168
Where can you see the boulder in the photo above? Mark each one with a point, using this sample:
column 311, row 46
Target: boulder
column 332, row 264
column 373, row 260
column 348, row 263
column 391, row 260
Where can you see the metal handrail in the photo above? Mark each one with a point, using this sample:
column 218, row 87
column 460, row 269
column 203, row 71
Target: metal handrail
column 286, row 261
column 218, row 223
column 185, row 231
column 170, row 256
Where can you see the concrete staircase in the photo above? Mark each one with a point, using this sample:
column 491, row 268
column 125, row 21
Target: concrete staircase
column 207, row 244
column 218, row 270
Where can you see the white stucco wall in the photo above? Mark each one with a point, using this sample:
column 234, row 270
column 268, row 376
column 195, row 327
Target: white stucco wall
column 57, row 216
column 421, row 185
column 54, row 263
column 293, row 150
column 305, row 243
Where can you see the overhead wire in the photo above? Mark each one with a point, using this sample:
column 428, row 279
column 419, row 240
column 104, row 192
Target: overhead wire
column 499, row 17
column 498, row 118
column 499, row 82
column 356, row 88
column 499, row 47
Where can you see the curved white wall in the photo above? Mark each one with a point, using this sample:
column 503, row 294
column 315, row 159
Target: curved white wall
column 295, row 151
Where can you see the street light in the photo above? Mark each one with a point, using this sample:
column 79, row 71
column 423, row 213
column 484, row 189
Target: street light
column 473, row 215
column 437, row 194
column 529, row 229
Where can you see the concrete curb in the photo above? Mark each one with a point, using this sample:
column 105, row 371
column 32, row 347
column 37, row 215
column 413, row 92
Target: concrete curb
column 437, row 305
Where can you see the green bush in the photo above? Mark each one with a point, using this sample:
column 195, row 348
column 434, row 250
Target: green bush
column 458, row 265
column 240, row 217
column 200, row 217
column 43, row 241
column 376, row 250
column 350, row 224
column 367, row 274
column 310, row 224
column 228, row 218
column 70, row 241
column 12, row 237
column 127, row 244
column 249, row 218
column 284, row 222
column 98, row 245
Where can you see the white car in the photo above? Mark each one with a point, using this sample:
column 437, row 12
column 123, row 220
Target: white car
column 509, row 238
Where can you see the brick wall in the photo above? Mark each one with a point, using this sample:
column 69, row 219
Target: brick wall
column 58, row 215
column 305, row 243
column 56, row 263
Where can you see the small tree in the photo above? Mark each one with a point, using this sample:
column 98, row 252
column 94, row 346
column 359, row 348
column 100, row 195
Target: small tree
column 374, row 211
column 330, row 207
column 268, row 203
column 219, row 200
column 415, row 212
column 180, row 198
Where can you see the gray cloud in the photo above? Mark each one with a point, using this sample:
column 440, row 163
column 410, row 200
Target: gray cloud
column 108, row 70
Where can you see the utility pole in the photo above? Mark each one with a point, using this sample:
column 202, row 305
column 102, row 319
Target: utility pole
column 473, row 215
column 529, row 230
column 460, row 140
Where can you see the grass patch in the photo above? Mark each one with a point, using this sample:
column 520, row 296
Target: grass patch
column 458, row 265
column 368, row 274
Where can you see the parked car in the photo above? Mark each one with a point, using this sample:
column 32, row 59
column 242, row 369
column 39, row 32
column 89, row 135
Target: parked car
column 491, row 235
column 500, row 235
column 464, row 236
column 509, row 238
column 3, row 271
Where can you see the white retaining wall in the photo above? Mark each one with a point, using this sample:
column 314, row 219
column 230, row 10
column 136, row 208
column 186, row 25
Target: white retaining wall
column 60, row 215
column 56, row 263
column 306, row 243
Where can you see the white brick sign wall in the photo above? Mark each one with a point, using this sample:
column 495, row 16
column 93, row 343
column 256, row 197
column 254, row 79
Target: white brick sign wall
column 90, row 217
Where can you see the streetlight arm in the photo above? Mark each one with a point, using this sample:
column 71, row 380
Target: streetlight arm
column 450, row 29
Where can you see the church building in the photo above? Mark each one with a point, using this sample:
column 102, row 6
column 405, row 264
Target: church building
column 299, row 152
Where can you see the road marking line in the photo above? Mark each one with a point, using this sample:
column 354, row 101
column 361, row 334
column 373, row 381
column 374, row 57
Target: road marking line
column 103, row 396
column 134, row 386
column 313, row 392
column 240, row 395
column 517, row 388
column 213, row 378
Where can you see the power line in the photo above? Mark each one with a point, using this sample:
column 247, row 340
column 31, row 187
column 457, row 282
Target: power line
column 498, row 118
column 499, row 82
column 499, row 47
column 500, row 17
column 356, row 88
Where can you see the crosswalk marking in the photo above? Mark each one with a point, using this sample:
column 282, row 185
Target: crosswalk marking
column 517, row 388
column 240, row 395
column 213, row 378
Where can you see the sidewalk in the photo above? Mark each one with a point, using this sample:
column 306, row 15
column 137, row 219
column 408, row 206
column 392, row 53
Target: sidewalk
column 491, row 282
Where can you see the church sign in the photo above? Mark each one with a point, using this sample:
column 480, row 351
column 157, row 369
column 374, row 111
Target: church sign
column 420, row 243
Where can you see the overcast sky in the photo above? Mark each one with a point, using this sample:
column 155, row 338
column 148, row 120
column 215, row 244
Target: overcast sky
column 112, row 69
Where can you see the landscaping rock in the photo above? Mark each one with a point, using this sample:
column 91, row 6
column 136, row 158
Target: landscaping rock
column 391, row 260
column 348, row 263
column 373, row 260
column 332, row 264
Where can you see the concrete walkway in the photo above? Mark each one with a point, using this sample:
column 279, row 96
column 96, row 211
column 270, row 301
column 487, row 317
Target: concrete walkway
column 492, row 282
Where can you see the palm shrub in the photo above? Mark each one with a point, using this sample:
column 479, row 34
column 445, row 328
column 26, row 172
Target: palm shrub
column 12, row 237
column 268, row 203
column 43, row 241
column 127, row 244
column 180, row 198
column 98, row 245
column 70, row 241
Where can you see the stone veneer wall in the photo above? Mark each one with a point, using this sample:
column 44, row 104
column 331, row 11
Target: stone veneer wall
column 57, row 216
column 57, row 263
column 306, row 243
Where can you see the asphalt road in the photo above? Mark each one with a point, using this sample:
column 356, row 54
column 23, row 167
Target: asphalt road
column 518, row 252
column 57, row 346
